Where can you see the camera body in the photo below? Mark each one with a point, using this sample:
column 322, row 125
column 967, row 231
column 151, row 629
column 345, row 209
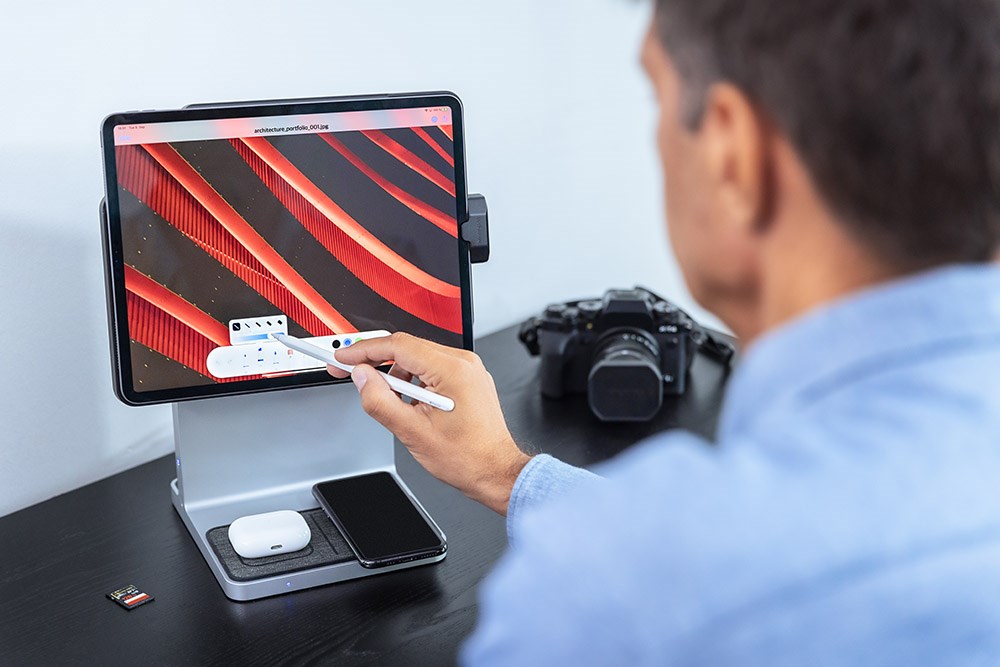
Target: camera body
column 625, row 351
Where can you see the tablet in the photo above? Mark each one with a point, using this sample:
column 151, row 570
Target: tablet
column 315, row 218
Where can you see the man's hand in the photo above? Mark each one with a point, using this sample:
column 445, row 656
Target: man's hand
column 470, row 447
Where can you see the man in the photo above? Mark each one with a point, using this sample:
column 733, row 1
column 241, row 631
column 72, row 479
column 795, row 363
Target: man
column 832, row 172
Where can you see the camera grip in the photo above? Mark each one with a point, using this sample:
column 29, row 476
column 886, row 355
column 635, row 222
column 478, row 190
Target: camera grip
column 555, row 350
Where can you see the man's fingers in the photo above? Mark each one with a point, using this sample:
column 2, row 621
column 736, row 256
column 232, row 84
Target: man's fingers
column 415, row 355
column 336, row 372
column 381, row 402
column 401, row 373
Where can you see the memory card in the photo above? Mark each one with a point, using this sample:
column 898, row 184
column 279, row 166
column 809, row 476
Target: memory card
column 130, row 597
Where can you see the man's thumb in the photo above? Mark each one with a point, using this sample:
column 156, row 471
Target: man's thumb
column 377, row 399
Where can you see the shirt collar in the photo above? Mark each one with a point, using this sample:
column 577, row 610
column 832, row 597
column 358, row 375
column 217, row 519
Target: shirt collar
column 874, row 327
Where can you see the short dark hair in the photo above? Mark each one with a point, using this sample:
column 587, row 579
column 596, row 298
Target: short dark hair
column 892, row 105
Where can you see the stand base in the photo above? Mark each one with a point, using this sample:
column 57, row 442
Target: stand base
column 242, row 455
column 200, row 523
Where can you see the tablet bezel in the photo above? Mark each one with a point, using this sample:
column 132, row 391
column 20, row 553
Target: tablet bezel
column 121, row 361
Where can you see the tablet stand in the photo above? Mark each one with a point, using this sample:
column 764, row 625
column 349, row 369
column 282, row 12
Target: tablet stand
column 240, row 455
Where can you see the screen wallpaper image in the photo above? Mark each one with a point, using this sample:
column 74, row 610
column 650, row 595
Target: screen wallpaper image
column 313, row 234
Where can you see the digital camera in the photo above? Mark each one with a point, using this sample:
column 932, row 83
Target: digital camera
column 625, row 351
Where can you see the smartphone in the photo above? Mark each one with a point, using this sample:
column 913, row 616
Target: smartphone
column 380, row 521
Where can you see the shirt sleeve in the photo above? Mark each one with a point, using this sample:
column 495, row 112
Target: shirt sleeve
column 566, row 591
column 534, row 607
column 543, row 478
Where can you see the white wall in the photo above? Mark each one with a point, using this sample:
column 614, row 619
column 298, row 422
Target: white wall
column 559, row 120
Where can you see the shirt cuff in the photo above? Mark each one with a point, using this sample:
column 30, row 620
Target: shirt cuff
column 542, row 478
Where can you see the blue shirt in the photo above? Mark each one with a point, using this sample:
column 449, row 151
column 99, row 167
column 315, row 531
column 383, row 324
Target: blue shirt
column 849, row 512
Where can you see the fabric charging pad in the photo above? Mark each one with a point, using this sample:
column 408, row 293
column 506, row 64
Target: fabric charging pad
column 327, row 547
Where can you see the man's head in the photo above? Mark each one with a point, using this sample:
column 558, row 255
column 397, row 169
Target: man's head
column 796, row 134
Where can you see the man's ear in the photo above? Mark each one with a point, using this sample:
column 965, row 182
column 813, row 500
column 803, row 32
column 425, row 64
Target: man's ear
column 736, row 141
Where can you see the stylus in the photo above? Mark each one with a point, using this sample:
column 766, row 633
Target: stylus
column 402, row 386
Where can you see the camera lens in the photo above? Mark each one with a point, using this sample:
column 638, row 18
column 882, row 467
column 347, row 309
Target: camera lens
column 625, row 381
column 236, row 326
column 335, row 343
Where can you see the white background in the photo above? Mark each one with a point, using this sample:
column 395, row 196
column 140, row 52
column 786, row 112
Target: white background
column 560, row 129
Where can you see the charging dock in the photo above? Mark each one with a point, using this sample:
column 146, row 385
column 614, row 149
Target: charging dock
column 241, row 455
column 256, row 453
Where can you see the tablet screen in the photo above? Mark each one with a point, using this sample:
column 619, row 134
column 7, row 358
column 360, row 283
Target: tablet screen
column 312, row 224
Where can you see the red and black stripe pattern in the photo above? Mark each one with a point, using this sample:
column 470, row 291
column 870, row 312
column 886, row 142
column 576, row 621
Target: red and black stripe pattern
column 340, row 232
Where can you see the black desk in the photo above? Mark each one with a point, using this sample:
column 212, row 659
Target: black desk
column 60, row 557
